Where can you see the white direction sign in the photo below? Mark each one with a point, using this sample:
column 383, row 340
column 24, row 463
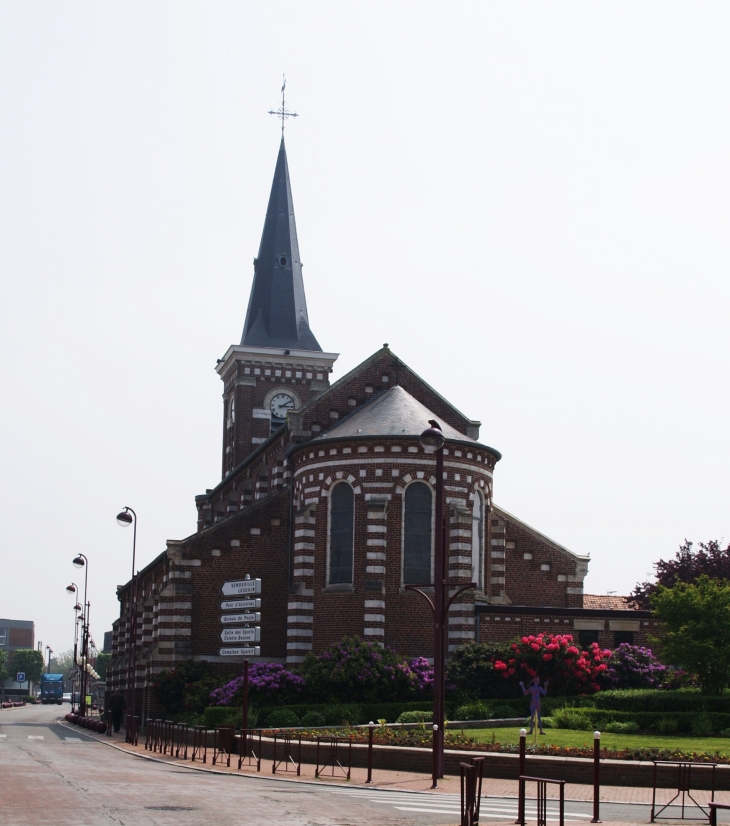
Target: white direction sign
column 239, row 587
column 226, row 618
column 240, row 604
column 250, row 651
column 241, row 634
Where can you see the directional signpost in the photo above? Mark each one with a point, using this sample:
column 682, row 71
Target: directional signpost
column 250, row 651
column 240, row 604
column 239, row 587
column 228, row 618
column 243, row 639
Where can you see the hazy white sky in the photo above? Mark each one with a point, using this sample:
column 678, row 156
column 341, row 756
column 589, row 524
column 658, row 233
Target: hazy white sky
column 528, row 201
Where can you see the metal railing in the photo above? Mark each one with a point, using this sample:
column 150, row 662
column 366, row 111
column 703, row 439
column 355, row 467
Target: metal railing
column 471, row 790
column 542, row 783
column 331, row 750
column 684, row 789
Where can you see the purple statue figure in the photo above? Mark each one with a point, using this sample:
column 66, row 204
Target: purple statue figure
column 535, row 690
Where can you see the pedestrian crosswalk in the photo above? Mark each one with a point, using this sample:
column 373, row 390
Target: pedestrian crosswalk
column 36, row 737
column 449, row 804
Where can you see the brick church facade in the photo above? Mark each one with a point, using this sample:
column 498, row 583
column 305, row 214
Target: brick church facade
column 327, row 498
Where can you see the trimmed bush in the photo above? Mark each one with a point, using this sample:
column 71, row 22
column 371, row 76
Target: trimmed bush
column 475, row 710
column 312, row 719
column 225, row 716
column 281, row 718
column 415, row 717
column 629, row 727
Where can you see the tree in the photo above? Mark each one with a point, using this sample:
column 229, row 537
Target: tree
column 29, row 661
column 696, row 629
column 62, row 663
column 100, row 666
column 709, row 560
column 3, row 669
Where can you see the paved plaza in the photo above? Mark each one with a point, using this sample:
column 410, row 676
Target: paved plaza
column 55, row 773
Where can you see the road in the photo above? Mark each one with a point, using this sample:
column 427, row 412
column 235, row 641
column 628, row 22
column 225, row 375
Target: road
column 50, row 774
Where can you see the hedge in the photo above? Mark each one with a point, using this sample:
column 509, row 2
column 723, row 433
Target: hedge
column 661, row 701
column 699, row 723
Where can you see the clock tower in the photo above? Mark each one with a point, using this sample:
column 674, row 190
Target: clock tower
column 278, row 366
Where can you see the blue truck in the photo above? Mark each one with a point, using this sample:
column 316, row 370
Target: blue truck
column 51, row 688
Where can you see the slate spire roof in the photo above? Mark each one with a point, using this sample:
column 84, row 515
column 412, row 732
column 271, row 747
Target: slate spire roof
column 394, row 413
column 277, row 308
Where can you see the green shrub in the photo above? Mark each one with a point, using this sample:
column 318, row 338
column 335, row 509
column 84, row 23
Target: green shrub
column 627, row 727
column 548, row 722
column 725, row 732
column 503, row 712
column 312, row 719
column 281, row 718
column 667, row 725
column 415, row 717
column 474, row 710
column 572, row 718
column 702, row 726
column 227, row 716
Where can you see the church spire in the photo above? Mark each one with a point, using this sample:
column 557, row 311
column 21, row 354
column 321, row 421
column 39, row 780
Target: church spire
column 277, row 308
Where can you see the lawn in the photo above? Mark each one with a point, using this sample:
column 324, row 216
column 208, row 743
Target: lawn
column 580, row 739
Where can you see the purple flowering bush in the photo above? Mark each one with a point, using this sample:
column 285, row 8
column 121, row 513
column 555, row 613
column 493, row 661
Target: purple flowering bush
column 354, row 670
column 268, row 684
column 633, row 666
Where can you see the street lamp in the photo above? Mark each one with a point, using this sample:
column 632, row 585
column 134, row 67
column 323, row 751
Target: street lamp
column 126, row 518
column 80, row 561
column 73, row 588
column 49, row 650
column 432, row 441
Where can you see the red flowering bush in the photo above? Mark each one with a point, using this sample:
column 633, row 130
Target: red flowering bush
column 555, row 657
column 480, row 670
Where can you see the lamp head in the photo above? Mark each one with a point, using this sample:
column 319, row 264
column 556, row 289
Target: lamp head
column 79, row 562
column 124, row 518
column 432, row 439
column 78, row 607
column 70, row 589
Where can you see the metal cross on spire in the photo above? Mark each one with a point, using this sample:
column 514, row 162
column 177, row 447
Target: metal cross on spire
column 283, row 113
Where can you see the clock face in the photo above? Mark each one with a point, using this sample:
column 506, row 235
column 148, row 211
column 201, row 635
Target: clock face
column 280, row 404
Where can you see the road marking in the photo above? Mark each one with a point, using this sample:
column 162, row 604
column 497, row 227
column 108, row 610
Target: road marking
column 73, row 739
column 2, row 736
column 36, row 737
column 450, row 804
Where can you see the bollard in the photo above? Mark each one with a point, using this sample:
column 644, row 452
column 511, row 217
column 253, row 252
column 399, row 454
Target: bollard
column 371, row 726
column 435, row 769
column 521, row 800
column 596, row 776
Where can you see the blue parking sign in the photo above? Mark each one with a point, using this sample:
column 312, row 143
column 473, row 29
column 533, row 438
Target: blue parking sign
column 20, row 677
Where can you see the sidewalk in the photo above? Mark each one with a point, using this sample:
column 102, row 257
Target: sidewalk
column 401, row 781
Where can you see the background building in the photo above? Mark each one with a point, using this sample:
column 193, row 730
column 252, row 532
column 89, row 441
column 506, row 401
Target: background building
column 15, row 634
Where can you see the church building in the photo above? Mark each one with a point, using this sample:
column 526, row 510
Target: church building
column 325, row 511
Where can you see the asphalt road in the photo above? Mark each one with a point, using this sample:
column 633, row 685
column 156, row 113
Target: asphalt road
column 50, row 774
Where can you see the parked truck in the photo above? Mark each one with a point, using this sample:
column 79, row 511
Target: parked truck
column 51, row 688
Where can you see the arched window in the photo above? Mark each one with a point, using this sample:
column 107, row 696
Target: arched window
column 417, row 535
column 477, row 541
column 341, row 528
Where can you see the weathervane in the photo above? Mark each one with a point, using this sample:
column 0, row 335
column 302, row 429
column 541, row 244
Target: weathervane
column 282, row 112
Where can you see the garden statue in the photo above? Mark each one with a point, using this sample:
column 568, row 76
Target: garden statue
column 534, row 689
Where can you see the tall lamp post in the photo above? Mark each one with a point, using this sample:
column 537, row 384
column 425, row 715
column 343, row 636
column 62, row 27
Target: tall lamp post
column 126, row 518
column 73, row 588
column 50, row 651
column 80, row 561
column 432, row 441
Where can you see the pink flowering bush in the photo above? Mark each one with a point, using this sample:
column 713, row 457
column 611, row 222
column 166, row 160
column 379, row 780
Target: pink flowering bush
column 357, row 671
column 268, row 684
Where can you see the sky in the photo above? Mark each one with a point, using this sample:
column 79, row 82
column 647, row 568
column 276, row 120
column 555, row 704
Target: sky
column 529, row 202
